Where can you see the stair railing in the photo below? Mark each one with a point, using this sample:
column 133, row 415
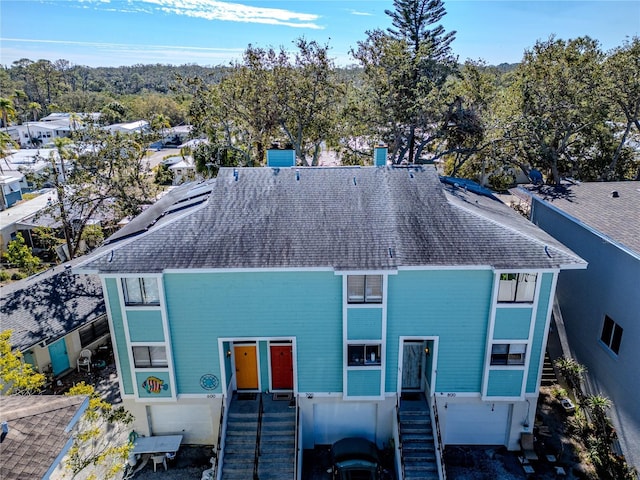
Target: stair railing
column 257, row 452
column 399, row 455
column 442, row 473
column 297, row 442
column 218, row 447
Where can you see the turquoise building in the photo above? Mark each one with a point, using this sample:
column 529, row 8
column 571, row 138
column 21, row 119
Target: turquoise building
column 344, row 288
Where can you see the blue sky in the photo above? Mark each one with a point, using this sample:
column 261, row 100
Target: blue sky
column 213, row 32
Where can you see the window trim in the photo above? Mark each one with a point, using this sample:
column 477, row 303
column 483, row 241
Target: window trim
column 615, row 332
column 152, row 363
column 518, row 281
column 368, row 347
column 144, row 293
column 365, row 298
column 508, row 354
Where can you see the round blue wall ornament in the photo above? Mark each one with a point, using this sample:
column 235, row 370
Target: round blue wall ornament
column 209, row 382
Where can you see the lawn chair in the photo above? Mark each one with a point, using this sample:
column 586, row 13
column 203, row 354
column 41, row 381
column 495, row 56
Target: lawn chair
column 84, row 360
column 526, row 443
column 159, row 459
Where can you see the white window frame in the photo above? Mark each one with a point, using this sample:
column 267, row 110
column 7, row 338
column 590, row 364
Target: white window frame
column 512, row 349
column 154, row 361
column 366, row 295
column 512, row 288
column 147, row 289
column 367, row 348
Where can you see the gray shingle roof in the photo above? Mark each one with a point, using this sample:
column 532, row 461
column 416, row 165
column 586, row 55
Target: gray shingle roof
column 49, row 305
column 342, row 218
column 38, row 431
column 593, row 204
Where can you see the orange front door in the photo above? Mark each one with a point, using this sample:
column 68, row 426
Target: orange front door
column 246, row 367
column 281, row 367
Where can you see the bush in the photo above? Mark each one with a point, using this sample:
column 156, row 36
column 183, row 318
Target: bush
column 4, row 276
column 18, row 276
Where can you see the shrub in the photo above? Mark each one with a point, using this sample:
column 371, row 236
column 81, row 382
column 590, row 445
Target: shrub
column 18, row 275
column 4, row 276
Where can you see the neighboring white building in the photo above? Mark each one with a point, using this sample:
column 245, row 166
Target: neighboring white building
column 11, row 219
column 35, row 134
column 10, row 191
column 129, row 127
column 183, row 171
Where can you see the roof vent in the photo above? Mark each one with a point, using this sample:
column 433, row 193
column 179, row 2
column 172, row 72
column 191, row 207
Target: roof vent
column 615, row 194
column 235, row 174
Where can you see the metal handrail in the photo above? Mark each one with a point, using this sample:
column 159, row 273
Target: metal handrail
column 217, row 453
column 297, row 439
column 257, row 452
column 436, row 418
column 399, row 437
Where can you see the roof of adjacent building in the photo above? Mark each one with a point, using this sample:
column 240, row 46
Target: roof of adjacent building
column 47, row 306
column 39, row 428
column 594, row 204
column 346, row 218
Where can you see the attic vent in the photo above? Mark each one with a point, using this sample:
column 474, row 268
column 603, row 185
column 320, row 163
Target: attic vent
column 615, row 194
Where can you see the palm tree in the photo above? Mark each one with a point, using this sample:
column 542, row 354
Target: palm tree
column 62, row 145
column 8, row 111
column 6, row 143
column 34, row 108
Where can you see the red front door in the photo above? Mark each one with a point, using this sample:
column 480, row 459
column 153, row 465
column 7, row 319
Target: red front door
column 281, row 367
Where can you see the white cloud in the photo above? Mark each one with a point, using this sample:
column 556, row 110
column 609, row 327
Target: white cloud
column 362, row 14
column 225, row 11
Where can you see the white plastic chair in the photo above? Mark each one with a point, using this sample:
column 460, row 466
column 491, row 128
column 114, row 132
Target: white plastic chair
column 84, row 360
column 159, row 459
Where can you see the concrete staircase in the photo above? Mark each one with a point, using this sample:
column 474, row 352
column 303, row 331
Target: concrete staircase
column 418, row 448
column 277, row 445
column 240, row 445
column 548, row 373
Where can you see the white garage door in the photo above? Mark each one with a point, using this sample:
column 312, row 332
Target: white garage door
column 333, row 421
column 484, row 424
column 193, row 421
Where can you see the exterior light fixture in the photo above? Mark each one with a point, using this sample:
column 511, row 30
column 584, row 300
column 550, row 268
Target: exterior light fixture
column 427, row 351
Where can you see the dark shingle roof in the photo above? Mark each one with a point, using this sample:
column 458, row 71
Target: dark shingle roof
column 342, row 218
column 39, row 428
column 49, row 305
column 593, row 204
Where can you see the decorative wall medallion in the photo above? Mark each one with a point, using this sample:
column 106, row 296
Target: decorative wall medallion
column 154, row 385
column 209, row 382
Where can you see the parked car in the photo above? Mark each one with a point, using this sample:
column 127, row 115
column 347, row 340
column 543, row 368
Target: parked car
column 355, row 458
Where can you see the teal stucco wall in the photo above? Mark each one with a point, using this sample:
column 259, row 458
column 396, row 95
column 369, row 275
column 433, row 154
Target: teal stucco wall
column 119, row 333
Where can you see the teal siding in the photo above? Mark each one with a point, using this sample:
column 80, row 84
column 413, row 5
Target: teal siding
column 451, row 304
column 118, row 333
column 505, row 383
column 153, row 384
column 364, row 383
column 226, row 347
column 364, row 323
column 512, row 324
column 263, row 351
column 202, row 307
column 145, row 325
column 281, row 158
column 537, row 347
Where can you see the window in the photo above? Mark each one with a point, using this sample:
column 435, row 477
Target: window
column 149, row 357
column 94, row 331
column 141, row 291
column 611, row 334
column 517, row 287
column 363, row 355
column 508, row 353
column 364, row 289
